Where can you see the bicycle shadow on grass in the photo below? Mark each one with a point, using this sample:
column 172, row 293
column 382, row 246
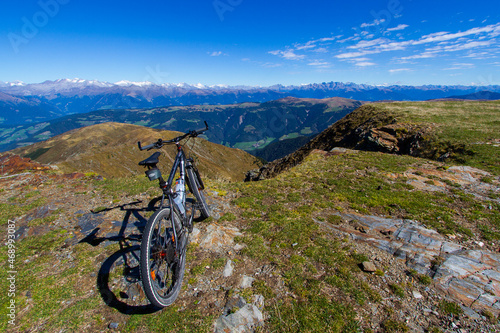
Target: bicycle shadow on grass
column 125, row 301
column 118, row 279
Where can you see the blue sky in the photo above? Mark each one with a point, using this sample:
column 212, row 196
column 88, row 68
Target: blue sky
column 252, row 42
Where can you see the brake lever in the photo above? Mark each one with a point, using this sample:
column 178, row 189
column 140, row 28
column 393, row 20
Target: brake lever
column 158, row 144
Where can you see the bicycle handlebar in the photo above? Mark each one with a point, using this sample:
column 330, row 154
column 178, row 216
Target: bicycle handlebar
column 158, row 144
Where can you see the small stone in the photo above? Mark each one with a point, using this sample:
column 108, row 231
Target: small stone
column 368, row 267
column 113, row 325
column 228, row 269
column 417, row 294
column 246, row 281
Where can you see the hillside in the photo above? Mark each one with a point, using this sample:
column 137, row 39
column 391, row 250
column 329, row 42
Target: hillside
column 110, row 149
column 343, row 240
column 466, row 132
column 247, row 126
column 340, row 243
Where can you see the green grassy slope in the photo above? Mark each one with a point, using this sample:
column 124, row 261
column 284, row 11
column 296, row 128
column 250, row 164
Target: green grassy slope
column 466, row 132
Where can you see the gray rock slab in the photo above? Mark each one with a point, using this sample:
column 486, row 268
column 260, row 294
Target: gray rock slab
column 89, row 222
column 245, row 319
column 469, row 276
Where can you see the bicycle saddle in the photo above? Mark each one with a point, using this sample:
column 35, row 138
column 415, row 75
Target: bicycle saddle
column 151, row 160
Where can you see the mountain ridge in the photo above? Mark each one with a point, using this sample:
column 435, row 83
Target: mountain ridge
column 110, row 149
column 67, row 96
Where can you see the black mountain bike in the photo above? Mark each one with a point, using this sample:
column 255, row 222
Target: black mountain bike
column 165, row 237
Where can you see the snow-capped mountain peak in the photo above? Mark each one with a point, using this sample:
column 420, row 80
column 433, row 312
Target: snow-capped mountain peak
column 126, row 83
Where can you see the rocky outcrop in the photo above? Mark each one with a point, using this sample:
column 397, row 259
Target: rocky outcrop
column 366, row 128
column 468, row 276
column 240, row 317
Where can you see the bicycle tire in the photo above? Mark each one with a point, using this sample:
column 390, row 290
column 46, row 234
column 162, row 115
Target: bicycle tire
column 195, row 185
column 161, row 265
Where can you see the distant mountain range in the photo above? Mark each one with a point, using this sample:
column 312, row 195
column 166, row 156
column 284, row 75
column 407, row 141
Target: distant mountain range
column 22, row 103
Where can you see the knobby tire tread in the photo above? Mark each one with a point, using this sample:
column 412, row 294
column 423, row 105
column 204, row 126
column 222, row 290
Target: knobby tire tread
column 146, row 246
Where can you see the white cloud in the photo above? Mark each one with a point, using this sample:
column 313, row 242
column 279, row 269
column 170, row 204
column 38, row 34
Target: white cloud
column 314, row 45
column 424, row 55
column 475, row 43
column 271, row 65
column 445, row 36
column 368, row 43
column 320, row 50
column 444, row 42
column 399, row 27
column 459, row 66
column 351, row 55
column 215, row 53
column 479, row 55
column 308, row 45
column 365, row 64
column 361, row 59
column 319, row 64
column 288, row 54
column 466, row 46
column 372, row 24
column 398, row 70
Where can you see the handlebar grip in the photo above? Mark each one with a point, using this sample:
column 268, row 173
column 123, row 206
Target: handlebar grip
column 145, row 147
column 203, row 129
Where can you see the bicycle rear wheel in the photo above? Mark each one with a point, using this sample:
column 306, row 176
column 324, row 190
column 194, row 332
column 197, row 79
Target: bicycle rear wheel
column 196, row 187
column 161, row 264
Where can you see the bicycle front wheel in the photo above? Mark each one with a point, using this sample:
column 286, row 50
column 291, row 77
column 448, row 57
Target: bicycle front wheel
column 195, row 184
column 161, row 264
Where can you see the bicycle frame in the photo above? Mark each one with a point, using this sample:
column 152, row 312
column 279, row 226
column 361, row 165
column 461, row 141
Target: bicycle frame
column 165, row 237
column 180, row 163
